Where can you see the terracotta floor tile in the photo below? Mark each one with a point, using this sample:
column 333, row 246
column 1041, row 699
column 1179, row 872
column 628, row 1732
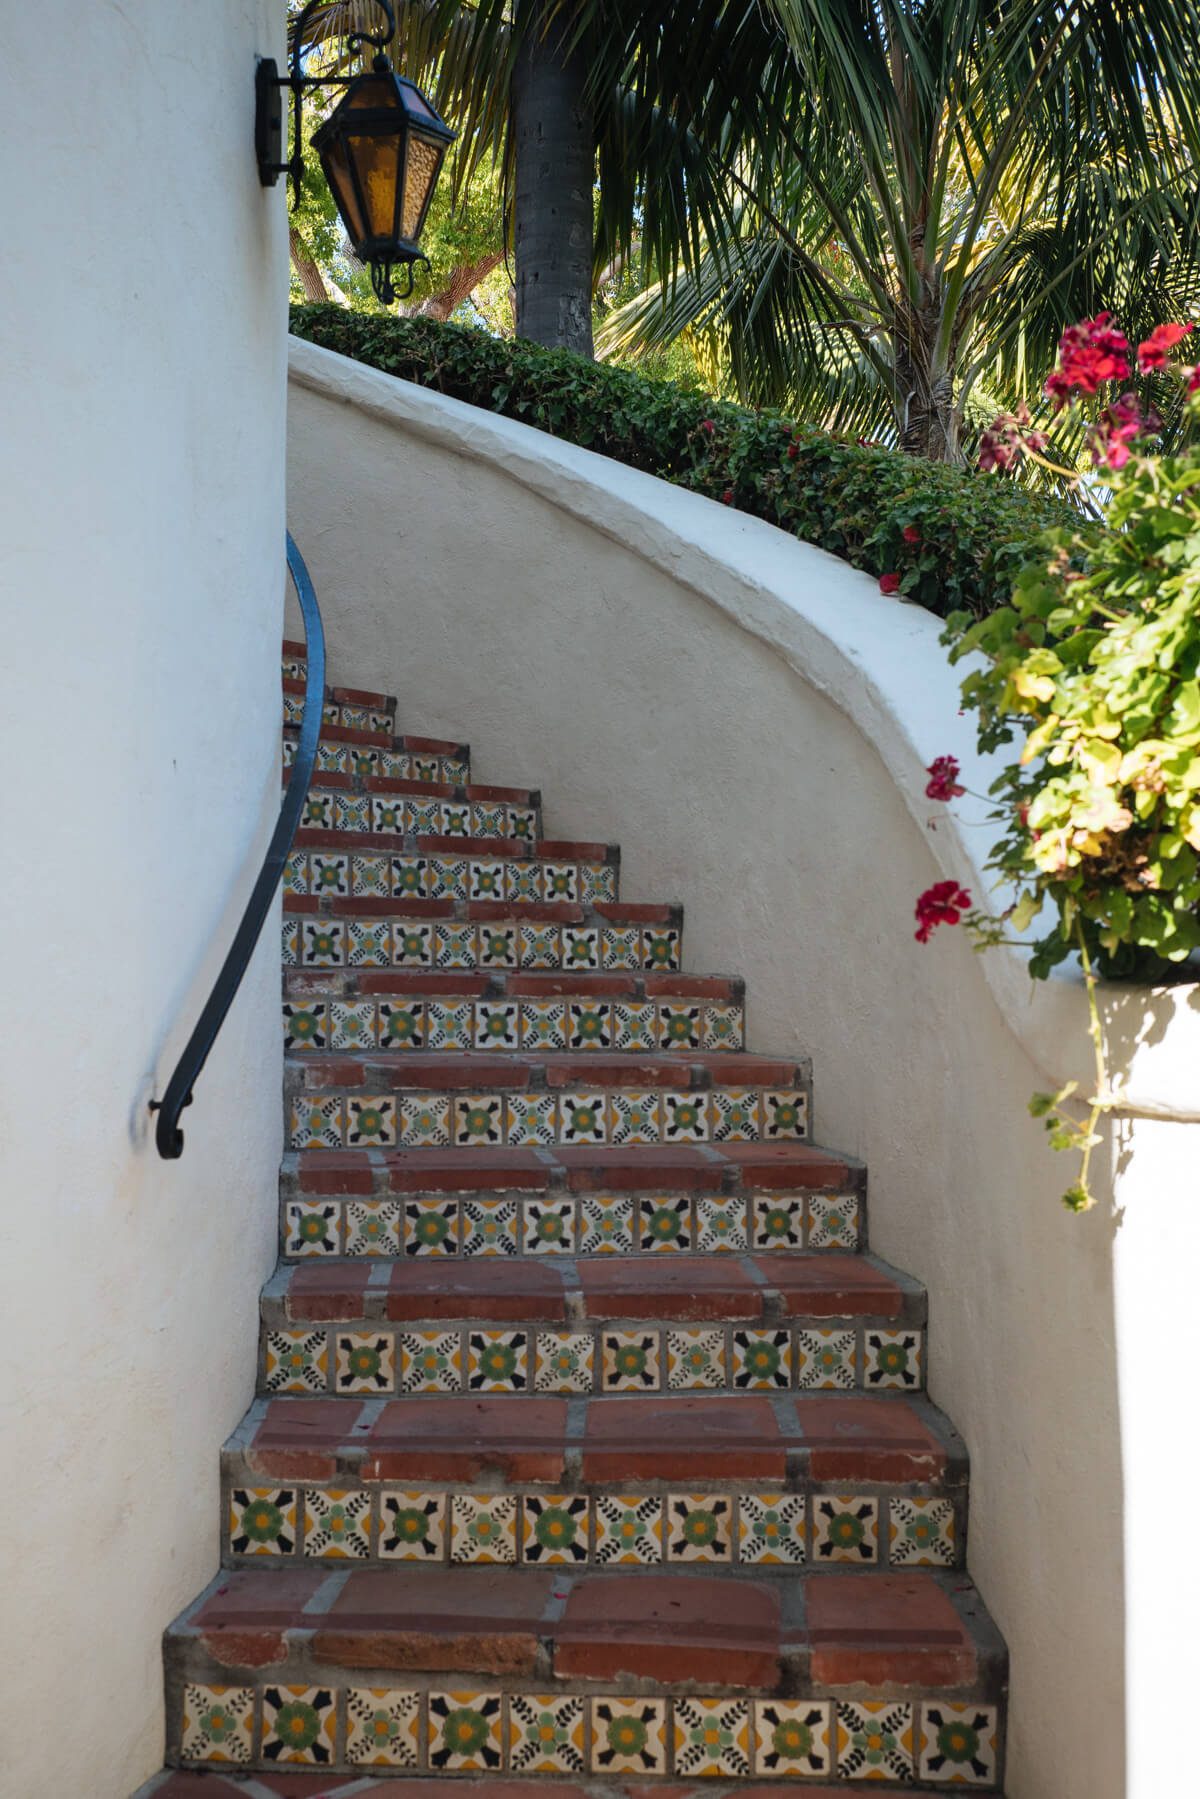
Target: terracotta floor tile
column 670, row 1628
column 688, row 1437
column 831, row 1286
column 669, row 1286
column 466, row 1170
column 886, row 1628
column 855, row 1436
column 517, row 1437
column 469, row 1620
column 300, row 1438
column 491, row 1287
column 320, row 1290
column 614, row 1169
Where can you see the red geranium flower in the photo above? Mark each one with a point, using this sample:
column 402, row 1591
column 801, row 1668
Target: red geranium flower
column 727, row 497
column 1152, row 351
column 943, row 778
column 911, row 534
column 943, row 903
column 1088, row 354
column 1119, row 426
column 708, row 426
column 889, row 583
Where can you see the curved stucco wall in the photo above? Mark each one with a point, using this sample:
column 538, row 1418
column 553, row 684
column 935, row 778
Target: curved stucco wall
column 143, row 352
column 750, row 719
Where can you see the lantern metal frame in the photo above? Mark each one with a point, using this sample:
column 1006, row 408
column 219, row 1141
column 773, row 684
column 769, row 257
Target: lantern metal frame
column 269, row 89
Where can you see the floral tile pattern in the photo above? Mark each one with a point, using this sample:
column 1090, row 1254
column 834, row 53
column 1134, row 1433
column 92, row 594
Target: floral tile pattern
column 921, row 1533
column 833, row 1221
column 630, row 1361
column 695, row 1359
column 497, row 1362
column 373, row 1227
column 771, row 1529
column 483, row 1529
column 629, row 1529
column 712, row 1736
column 565, row 1362
column 465, row 1732
column 698, row 1527
column 297, row 1362
column 875, row 1740
column 893, row 1360
column 218, row 1724
column 412, row 1526
column 382, row 1728
column 337, row 1524
column 792, row 1737
column 629, row 1736
column 762, row 1359
column 555, row 1528
column 959, row 1744
column 313, row 1228
column 365, row 1363
column 431, row 1362
column 825, row 1359
column 845, row 1528
column 262, row 1520
column 431, row 1227
column 547, row 1734
column 298, row 1725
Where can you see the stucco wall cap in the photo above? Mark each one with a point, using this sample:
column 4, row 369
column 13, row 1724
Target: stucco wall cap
column 877, row 660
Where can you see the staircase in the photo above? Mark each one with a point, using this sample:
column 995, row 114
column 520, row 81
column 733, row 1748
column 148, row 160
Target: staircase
column 591, row 1453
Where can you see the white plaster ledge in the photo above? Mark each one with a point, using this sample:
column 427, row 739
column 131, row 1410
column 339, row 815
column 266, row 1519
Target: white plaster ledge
column 877, row 660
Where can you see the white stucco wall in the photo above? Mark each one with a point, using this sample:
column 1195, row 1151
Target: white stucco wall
column 750, row 719
column 141, row 497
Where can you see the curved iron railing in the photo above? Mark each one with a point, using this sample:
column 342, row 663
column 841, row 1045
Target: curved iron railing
column 181, row 1086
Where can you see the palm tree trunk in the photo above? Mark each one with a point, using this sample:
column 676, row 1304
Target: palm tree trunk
column 554, row 138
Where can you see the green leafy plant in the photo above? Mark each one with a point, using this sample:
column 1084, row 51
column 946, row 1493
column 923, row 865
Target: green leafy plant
column 1093, row 670
column 946, row 538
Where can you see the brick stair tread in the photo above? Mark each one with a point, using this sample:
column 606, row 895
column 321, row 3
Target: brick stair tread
column 339, row 696
column 508, row 849
column 916, row 1631
column 513, row 912
column 385, row 740
column 510, row 983
column 600, row 1441
column 575, row 1168
column 185, row 1784
column 752, row 1286
column 551, row 1068
column 336, row 782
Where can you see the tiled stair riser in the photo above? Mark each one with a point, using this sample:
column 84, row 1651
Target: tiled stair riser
column 518, row 880
column 410, row 815
column 598, row 1224
column 761, row 1530
column 368, row 759
column 347, row 716
column 511, row 1024
column 451, row 1726
column 460, row 942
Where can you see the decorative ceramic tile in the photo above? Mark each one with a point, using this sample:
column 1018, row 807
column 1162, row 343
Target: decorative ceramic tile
column 322, row 943
column 629, row 1529
column 388, row 813
column 697, row 1527
column 589, row 1025
column 762, row 1359
column 634, row 1117
column 373, row 1227
column 565, row 1361
column 892, row 1359
column 724, row 1027
column 489, row 820
column 382, row 1728
column 359, row 759
column 305, row 1024
column 606, row 1224
column 635, row 1026
column 684, row 1117
column 778, row 1221
column 582, row 1119
column 290, row 942
column 329, row 875
column 695, row 1359
column 522, row 824
column 497, row 1024
column 456, row 819
column 531, row 1118
column 679, row 1026
column 771, row 1528
column 959, row 1744
column 832, row 1221
column 352, row 1024
column 372, row 877
column 489, row 1227
column 401, row 1024
column 497, row 1362
column 369, row 943
column 371, row 1122
column 365, row 1363
column 298, row 1725
column 424, row 1122
column 630, row 1362
column 431, row 1227
column 555, row 1528
column 396, row 765
column 431, row 1362
column 712, row 1736
column 544, row 1025
column 317, row 1124
column 845, row 1528
column 378, row 721
column 874, row 1740
column 825, row 1358
column 331, row 758
column 622, row 947
column 408, row 877
column 785, row 1116
column 560, row 881
column 337, row 1525
column 499, row 947
column 485, row 881
column 666, row 1223
column 464, row 1733
column 218, row 1724
column 720, row 1223
column 483, row 1528
column 427, row 768
column 412, row 945
column 597, row 883
column 425, row 818
column 580, row 946
column 262, row 1520
column 295, row 873
column 549, row 1225
column 478, row 1119
column 547, row 1733
column 735, row 1115
column 353, row 812
column 356, row 718
column 412, row 1526
column 449, row 1024
column 629, row 1736
column 313, row 1229
column 540, row 946
column 660, row 948
column 921, row 1533
column 297, row 1362
column 523, row 882
column 318, row 814
column 791, row 1737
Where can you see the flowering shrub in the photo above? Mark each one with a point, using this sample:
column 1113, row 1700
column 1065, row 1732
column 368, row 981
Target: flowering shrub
column 1093, row 670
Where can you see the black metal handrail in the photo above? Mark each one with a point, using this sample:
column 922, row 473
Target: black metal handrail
column 181, row 1086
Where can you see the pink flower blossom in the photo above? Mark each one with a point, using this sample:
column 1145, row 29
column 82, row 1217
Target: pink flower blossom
column 911, row 534
column 1089, row 354
column 889, row 583
column 1009, row 437
column 943, row 903
column 707, row 426
column 1119, row 426
column 943, row 779
column 1153, row 350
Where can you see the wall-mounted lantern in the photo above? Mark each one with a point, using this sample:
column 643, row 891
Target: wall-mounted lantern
column 381, row 148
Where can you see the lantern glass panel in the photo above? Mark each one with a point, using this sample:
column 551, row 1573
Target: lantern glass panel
column 420, row 176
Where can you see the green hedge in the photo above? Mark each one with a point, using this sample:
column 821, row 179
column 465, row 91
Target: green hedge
column 972, row 532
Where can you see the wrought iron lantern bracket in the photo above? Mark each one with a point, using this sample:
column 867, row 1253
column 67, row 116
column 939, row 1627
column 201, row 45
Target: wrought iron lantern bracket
column 270, row 87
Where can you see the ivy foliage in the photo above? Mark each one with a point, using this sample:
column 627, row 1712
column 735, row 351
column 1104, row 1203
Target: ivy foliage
column 956, row 541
